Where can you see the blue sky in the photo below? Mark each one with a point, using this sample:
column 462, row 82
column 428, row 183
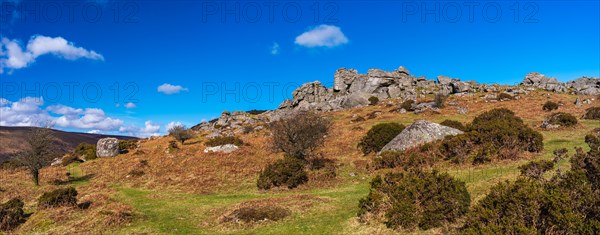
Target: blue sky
column 161, row 62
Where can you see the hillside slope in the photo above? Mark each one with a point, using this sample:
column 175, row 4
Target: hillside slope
column 12, row 140
column 157, row 189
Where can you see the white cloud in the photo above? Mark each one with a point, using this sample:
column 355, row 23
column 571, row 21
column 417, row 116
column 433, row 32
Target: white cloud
column 91, row 118
column 322, row 36
column 4, row 102
column 171, row 89
column 24, row 112
column 64, row 110
column 173, row 124
column 130, row 105
column 275, row 49
column 14, row 56
column 94, row 132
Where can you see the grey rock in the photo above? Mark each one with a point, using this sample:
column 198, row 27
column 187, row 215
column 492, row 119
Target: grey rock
column 578, row 101
column 343, row 78
column 444, row 80
column 107, row 147
column 420, row 132
column 228, row 148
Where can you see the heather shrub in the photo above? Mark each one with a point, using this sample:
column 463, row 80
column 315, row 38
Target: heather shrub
column 11, row 214
column 378, row 136
column 408, row 105
column 562, row 119
column 58, row 198
column 373, row 100
column 454, row 124
column 288, row 172
column 592, row 113
column 85, row 151
column 300, row 134
column 217, row 141
column 408, row 160
column 258, row 213
column 415, row 199
column 549, row 106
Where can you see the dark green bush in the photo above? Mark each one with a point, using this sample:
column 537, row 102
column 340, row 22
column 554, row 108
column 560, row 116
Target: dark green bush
column 288, row 172
column 58, row 198
column 503, row 129
column 505, row 96
column 373, row 100
column 378, row 136
column 536, row 169
column 217, row 141
column 11, row 214
column 549, row 106
column 408, row 105
column 566, row 204
column 126, row 145
column 258, row 213
column 415, row 199
column 85, row 151
column 562, row 119
column 496, row 134
column 454, row 124
column 592, row 113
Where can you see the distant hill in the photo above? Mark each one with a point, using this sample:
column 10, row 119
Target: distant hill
column 12, row 140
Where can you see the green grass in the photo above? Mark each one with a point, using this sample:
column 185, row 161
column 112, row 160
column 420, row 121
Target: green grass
column 183, row 213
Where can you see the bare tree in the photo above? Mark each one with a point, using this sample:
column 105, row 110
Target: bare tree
column 40, row 151
column 180, row 133
column 300, row 134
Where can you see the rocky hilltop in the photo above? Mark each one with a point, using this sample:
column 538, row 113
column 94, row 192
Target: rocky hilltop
column 352, row 89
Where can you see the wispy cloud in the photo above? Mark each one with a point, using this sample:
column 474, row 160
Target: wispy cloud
column 171, row 89
column 322, row 36
column 14, row 56
column 275, row 49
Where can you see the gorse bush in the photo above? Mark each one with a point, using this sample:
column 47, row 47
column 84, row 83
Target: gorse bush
column 11, row 214
column 566, row 204
column 408, row 160
column 217, row 141
column 562, row 119
column 378, row 136
column 497, row 133
column 592, row 113
column 549, row 106
column 454, row 124
column 373, row 100
column 415, row 199
column 85, row 151
column 288, row 172
column 300, row 134
column 58, row 198
column 536, row 169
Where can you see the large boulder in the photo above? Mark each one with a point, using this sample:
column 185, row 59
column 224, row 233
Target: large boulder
column 585, row 86
column 107, row 147
column 420, row 132
column 343, row 78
